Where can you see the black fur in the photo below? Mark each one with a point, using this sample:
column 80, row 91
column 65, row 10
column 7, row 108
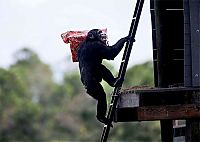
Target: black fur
column 90, row 56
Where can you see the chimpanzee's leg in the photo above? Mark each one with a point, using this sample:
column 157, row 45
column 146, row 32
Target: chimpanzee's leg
column 107, row 76
column 95, row 90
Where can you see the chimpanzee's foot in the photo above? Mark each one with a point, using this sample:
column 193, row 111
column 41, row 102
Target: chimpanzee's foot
column 103, row 120
column 118, row 82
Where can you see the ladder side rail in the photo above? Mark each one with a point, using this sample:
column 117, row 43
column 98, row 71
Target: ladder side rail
column 125, row 57
column 130, row 43
column 123, row 67
column 130, row 32
column 125, row 63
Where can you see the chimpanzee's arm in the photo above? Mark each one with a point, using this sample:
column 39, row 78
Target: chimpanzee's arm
column 110, row 52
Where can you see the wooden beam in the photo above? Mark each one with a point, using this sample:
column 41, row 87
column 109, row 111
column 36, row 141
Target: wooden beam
column 152, row 113
column 134, row 97
column 169, row 112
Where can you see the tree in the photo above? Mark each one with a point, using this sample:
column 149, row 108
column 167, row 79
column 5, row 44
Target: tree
column 37, row 78
column 139, row 75
column 15, row 108
column 34, row 73
column 72, row 85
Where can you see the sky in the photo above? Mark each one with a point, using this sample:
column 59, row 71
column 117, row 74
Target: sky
column 38, row 24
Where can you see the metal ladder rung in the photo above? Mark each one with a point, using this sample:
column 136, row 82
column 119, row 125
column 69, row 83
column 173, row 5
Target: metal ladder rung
column 122, row 61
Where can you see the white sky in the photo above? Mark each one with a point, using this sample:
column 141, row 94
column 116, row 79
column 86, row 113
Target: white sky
column 38, row 24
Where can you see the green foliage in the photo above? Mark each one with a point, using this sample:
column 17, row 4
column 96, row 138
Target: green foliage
column 26, row 56
column 72, row 85
column 17, row 112
column 139, row 75
column 36, row 75
column 137, row 131
column 34, row 108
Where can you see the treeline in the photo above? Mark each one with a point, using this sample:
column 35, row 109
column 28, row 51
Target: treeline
column 33, row 107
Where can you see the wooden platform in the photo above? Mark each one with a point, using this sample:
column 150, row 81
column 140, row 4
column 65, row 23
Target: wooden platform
column 148, row 104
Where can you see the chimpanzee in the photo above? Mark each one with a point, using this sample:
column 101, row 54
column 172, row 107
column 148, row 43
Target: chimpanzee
column 90, row 55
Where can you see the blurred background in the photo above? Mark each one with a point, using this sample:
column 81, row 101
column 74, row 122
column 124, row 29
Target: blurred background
column 41, row 96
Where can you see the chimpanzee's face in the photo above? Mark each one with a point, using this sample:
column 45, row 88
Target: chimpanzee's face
column 97, row 34
column 103, row 37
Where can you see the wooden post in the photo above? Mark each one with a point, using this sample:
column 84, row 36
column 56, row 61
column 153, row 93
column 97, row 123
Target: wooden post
column 187, row 46
column 162, row 63
column 192, row 65
column 192, row 125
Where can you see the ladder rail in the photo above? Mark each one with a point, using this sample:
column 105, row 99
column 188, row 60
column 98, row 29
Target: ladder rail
column 130, row 31
column 132, row 34
column 123, row 67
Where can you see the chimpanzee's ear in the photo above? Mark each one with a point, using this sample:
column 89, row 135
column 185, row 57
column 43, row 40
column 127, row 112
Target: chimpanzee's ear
column 90, row 36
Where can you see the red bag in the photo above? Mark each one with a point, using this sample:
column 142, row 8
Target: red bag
column 75, row 38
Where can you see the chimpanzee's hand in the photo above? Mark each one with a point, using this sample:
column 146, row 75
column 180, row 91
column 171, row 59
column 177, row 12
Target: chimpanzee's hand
column 128, row 38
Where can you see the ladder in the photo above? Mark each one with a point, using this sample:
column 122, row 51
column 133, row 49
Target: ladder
column 122, row 70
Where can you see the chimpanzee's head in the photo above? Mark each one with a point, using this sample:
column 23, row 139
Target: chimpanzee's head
column 96, row 35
